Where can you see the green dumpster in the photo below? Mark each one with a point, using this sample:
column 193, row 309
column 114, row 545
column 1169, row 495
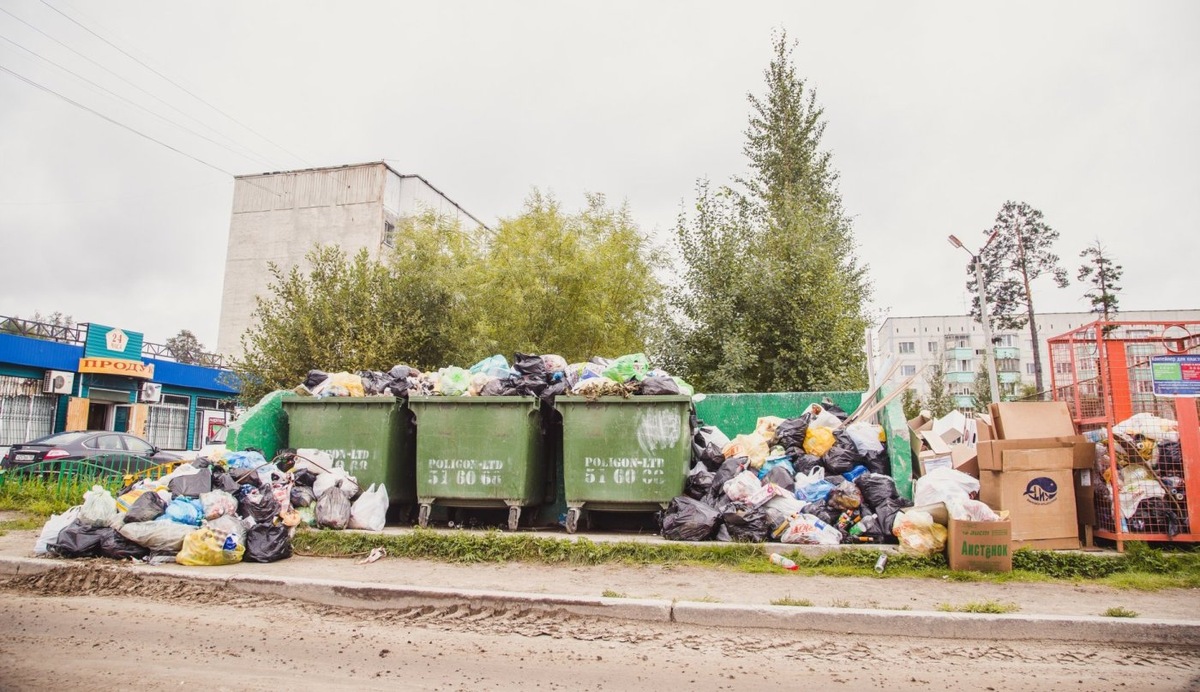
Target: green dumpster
column 625, row 455
column 479, row 451
column 370, row 437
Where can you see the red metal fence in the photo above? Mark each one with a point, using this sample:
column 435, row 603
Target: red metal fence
column 1147, row 475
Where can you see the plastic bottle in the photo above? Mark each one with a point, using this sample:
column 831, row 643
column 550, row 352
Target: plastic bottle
column 786, row 563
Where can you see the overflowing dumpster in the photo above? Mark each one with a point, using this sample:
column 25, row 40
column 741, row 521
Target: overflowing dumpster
column 623, row 454
column 480, row 451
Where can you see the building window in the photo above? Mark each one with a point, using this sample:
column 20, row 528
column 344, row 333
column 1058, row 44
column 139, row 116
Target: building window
column 206, row 402
column 908, row 370
column 389, row 234
column 168, row 422
column 1030, row 369
column 908, row 347
column 25, row 413
column 933, row 347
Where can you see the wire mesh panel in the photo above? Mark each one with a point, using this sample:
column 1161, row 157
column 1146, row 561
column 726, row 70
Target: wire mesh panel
column 1129, row 388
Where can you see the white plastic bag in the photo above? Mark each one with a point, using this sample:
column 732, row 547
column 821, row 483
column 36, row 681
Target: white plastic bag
column 226, row 526
column 54, row 525
column 159, row 535
column 99, row 507
column 944, row 485
column 742, row 486
column 314, row 460
column 807, row 529
column 816, row 473
column 369, row 511
column 971, row 510
column 865, row 437
column 336, row 478
column 218, row 503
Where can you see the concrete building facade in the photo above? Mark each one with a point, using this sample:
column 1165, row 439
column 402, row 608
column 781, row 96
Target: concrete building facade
column 279, row 217
column 956, row 341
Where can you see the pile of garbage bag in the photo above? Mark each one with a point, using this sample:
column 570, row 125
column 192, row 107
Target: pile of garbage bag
column 237, row 507
column 803, row 480
column 544, row 376
column 1150, row 475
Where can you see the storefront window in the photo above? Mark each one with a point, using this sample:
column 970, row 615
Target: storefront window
column 25, row 413
column 168, row 422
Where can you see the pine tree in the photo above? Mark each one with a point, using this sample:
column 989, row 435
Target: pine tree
column 940, row 401
column 981, row 392
column 1021, row 252
column 1104, row 274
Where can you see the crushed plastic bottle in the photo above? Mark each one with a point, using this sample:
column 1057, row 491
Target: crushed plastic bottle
column 784, row 562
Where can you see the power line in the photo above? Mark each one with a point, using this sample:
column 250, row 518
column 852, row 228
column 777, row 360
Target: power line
column 199, row 122
column 133, row 103
column 176, row 84
column 97, row 113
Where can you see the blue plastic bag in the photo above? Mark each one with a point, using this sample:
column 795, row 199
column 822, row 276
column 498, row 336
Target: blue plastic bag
column 854, row 473
column 492, row 366
column 185, row 510
column 814, row 492
column 772, row 462
column 245, row 460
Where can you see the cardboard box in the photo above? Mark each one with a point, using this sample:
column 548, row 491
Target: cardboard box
column 1022, row 420
column 1085, row 497
column 929, row 461
column 1040, row 503
column 980, row 546
column 1082, row 452
column 950, row 427
column 965, row 458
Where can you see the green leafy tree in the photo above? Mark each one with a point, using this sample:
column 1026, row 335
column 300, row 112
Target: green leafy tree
column 940, row 401
column 771, row 295
column 911, row 404
column 1021, row 252
column 981, row 391
column 575, row 284
column 186, row 348
column 1104, row 274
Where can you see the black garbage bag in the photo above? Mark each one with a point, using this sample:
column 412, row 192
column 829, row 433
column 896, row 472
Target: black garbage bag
column 221, row 480
column 845, row 496
column 304, row 477
column 843, row 456
column 315, row 378
column 1170, row 459
column 876, row 489
column 722, row 534
column 192, row 485
column 806, row 462
column 699, row 482
column 822, row 511
column 553, row 390
column 885, row 518
column 1155, row 515
column 790, row 434
column 877, row 462
column 77, row 540
column 705, row 448
column 685, row 520
column 148, row 507
column 732, row 467
column 302, row 496
column 748, row 525
column 333, row 510
column 117, row 547
column 373, row 381
column 780, row 476
column 260, row 505
column 528, row 364
column 493, row 387
column 658, row 386
column 268, row 543
column 243, row 477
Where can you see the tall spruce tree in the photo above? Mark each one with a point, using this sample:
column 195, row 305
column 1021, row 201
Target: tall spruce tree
column 1105, row 275
column 772, row 293
column 1021, row 252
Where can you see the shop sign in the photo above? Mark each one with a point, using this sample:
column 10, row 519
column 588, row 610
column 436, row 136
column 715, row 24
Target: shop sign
column 1176, row 375
column 117, row 366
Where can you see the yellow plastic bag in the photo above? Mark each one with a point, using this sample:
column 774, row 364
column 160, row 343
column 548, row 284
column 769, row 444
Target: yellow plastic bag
column 752, row 446
column 918, row 533
column 126, row 501
column 203, row 547
column 818, row 441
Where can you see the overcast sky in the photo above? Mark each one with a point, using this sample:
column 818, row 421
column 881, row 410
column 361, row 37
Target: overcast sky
column 937, row 113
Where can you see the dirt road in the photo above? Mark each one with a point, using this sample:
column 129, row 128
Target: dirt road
column 115, row 631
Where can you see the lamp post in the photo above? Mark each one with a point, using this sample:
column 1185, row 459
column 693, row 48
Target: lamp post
column 989, row 350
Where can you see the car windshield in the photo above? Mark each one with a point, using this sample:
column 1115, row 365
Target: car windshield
column 62, row 438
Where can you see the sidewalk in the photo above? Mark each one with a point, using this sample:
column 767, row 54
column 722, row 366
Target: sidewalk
column 712, row 596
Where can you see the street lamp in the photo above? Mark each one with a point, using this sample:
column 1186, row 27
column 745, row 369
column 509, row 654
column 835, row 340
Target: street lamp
column 989, row 352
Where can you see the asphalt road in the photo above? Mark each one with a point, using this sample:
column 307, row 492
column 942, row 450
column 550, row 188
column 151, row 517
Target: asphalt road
column 177, row 637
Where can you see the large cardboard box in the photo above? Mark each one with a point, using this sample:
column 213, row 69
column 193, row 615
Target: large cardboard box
column 1040, row 504
column 981, row 546
column 1082, row 454
column 1022, row 420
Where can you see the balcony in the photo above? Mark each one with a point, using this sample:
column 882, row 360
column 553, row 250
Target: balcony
column 1003, row 352
column 960, row 377
column 960, row 353
column 964, row 401
column 1008, row 377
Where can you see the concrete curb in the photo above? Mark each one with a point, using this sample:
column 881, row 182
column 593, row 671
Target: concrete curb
column 894, row 623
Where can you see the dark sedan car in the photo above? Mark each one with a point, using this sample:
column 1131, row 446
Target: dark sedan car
column 116, row 452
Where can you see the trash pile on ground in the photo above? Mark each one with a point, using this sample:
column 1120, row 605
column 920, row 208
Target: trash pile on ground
column 811, row 479
column 237, row 507
column 544, row 376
